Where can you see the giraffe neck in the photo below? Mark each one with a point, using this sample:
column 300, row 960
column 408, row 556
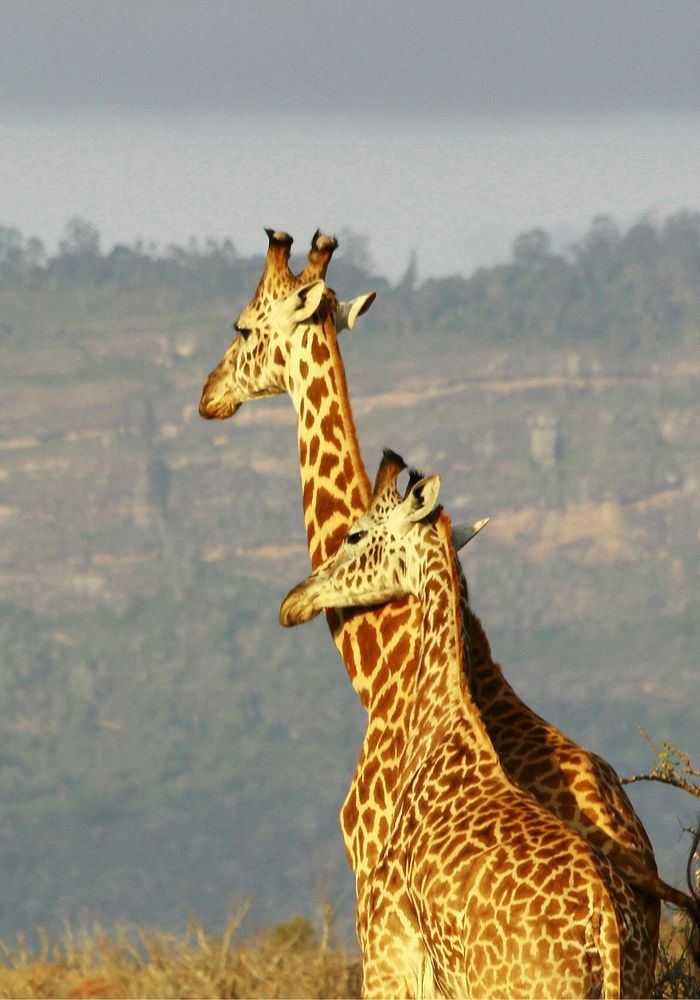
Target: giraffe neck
column 379, row 647
column 443, row 702
column 335, row 486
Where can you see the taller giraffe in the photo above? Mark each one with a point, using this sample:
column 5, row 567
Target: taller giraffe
column 379, row 647
column 479, row 890
column 297, row 352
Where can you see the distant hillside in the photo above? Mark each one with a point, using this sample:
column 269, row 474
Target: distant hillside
column 166, row 746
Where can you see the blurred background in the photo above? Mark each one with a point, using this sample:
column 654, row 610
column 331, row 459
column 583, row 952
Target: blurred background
column 520, row 184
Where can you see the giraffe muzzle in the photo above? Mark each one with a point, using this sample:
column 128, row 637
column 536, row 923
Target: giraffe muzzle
column 297, row 607
column 215, row 405
column 217, row 412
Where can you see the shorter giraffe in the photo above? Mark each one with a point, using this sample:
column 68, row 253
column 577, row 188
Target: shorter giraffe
column 479, row 890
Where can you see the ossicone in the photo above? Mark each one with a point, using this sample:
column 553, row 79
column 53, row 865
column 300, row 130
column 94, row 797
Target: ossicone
column 277, row 238
column 390, row 468
column 322, row 249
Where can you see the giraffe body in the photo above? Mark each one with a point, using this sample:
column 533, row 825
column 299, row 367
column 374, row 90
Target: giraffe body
column 476, row 881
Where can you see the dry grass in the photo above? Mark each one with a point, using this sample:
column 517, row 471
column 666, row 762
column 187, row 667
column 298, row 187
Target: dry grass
column 291, row 961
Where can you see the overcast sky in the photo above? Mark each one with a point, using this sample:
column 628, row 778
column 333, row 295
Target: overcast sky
column 323, row 56
column 445, row 127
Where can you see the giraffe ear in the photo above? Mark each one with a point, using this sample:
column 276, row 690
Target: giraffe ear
column 347, row 313
column 422, row 498
column 463, row 533
column 304, row 301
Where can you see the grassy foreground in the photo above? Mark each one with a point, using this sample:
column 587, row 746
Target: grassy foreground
column 291, row 961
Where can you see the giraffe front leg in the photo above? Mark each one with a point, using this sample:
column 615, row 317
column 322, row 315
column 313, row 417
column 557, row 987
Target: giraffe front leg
column 396, row 962
column 401, row 972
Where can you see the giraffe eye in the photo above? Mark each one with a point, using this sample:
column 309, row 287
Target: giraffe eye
column 243, row 330
column 354, row 537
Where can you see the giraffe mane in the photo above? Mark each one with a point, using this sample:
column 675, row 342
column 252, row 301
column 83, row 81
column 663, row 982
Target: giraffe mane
column 443, row 524
column 414, row 476
column 326, row 308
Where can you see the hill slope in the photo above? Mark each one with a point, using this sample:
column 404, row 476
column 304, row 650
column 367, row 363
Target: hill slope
column 165, row 746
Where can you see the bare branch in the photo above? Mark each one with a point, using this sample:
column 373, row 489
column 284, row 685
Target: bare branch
column 672, row 767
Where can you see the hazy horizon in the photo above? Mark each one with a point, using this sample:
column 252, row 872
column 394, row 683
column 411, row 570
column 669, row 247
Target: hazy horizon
column 456, row 193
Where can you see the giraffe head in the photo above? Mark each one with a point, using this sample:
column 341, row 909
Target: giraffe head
column 256, row 364
column 376, row 561
column 380, row 557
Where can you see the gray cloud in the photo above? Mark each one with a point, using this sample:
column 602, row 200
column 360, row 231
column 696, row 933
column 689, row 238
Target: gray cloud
column 352, row 57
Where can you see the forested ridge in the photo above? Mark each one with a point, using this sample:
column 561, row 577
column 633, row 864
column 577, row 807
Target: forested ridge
column 628, row 287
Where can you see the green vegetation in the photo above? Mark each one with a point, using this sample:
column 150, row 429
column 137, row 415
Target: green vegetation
column 165, row 745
